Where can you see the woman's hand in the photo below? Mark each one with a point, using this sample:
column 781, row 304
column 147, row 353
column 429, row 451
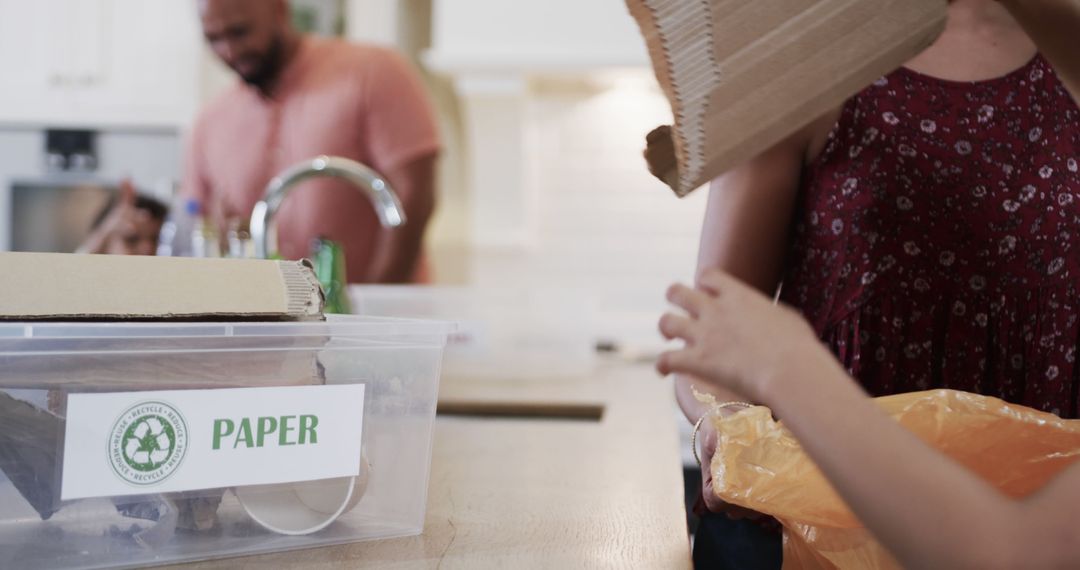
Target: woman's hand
column 660, row 155
column 707, row 442
column 736, row 338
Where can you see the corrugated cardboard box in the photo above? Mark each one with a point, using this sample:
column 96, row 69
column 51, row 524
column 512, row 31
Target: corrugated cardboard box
column 38, row 287
column 50, row 286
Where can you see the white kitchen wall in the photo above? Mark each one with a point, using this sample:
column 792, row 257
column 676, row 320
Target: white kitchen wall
column 563, row 88
column 377, row 21
column 553, row 34
column 604, row 226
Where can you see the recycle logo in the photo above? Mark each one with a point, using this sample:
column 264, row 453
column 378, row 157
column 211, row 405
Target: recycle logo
column 148, row 443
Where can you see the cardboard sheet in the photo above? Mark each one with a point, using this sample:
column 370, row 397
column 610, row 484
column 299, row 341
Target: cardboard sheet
column 743, row 75
column 38, row 286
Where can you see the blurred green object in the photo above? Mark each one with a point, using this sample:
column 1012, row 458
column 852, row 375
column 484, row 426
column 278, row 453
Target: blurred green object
column 319, row 17
column 304, row 18
column 329, row 260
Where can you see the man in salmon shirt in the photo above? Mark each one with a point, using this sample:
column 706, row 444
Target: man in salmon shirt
column 300, row 97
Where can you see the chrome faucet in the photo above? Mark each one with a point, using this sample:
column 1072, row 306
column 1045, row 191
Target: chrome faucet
column 385, row 201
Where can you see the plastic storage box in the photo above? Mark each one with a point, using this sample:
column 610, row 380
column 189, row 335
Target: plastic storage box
column 502, row 334
column 135, row 444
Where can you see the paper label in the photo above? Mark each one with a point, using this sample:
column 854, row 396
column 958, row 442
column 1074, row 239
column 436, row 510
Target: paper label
column 135, row 443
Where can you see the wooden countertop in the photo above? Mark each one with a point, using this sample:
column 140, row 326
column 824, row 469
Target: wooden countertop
column 539, row 493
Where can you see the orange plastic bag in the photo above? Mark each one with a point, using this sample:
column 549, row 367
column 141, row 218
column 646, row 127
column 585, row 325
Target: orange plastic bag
column 759, row 465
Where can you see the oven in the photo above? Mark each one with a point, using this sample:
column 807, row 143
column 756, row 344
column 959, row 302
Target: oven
column 54, row 183
column 54, row 214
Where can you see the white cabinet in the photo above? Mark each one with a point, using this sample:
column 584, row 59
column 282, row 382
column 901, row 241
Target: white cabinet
column 31, row 59
column 99, row 62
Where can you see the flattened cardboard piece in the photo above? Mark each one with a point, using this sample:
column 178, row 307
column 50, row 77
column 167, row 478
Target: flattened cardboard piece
column 49, row 286
column 742, row 75
column 29, row 445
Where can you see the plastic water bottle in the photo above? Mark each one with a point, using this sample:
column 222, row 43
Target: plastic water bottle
column 182, row 234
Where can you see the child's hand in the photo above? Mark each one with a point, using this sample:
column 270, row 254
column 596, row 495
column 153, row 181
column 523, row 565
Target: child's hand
column 119, row 233
column 121, row 226
column 735, row 337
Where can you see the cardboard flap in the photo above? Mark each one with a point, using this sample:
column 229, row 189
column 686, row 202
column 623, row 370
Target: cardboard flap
column 39, row 286
column 741, row 76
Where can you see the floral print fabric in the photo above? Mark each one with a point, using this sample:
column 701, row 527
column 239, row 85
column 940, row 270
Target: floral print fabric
column 937, row 238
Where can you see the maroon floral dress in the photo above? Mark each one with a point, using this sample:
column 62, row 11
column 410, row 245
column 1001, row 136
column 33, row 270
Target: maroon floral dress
column 937, row 241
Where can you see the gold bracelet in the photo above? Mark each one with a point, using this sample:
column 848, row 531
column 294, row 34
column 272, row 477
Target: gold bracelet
column 697, row 426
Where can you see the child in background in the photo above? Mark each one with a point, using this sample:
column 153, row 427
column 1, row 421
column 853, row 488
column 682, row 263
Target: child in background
column 129, row 225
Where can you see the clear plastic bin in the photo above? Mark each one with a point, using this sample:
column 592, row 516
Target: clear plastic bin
column 46, row 366
column 502, row 334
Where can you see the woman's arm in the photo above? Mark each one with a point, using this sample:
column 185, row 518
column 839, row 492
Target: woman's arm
column 1054, row 25
column 745, row 233
column 929, row 511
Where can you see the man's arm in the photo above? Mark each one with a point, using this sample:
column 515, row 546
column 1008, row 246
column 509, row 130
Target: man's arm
column 1054, row 25
column 398, row 250
column 402, row 140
